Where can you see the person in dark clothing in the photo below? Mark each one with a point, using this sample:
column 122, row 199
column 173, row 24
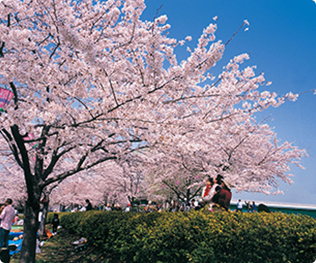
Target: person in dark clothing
column 248, row 206
column 215, row 198
column 5, row 256
column 224, row 195
column 89, row 205
column 55, row 223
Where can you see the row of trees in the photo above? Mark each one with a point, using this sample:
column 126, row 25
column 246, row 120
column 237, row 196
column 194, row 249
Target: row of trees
column 100, row 94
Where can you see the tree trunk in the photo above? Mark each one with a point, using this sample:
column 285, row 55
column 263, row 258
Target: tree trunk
column 33, row 198
column 29, row 235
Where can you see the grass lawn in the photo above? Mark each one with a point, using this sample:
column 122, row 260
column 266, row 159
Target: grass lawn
column 59, row 249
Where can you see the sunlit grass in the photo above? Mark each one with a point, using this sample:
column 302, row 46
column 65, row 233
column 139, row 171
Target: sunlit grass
column 59, row 249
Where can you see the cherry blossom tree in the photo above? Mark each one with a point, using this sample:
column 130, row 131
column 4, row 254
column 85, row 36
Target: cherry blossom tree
column 75, row 190
column 92, row 82
column 173, row 176
column 111, row 182
column 247, row 153
column 12, row 183
column 255, row 160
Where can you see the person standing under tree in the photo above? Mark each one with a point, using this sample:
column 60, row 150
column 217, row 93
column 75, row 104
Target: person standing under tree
column 55, row 223
column 248, row 206
column 239, row 206
column 89, row 205
column 7, row 216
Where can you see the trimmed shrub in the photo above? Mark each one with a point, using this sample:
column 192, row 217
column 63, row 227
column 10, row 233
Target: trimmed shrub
column 197, row 236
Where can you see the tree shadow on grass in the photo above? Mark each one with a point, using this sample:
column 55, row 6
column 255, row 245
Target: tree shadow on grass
column 59, row 249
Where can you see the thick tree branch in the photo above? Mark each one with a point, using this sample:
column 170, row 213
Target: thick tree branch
column 64, row 175
column 26, row 166
column 6, row 135
column 15, row 95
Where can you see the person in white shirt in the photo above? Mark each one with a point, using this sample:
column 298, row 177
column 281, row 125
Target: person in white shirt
column 7, row 216
column 239, row 205
column 108, row 208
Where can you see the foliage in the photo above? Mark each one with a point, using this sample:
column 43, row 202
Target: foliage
column 198, row 236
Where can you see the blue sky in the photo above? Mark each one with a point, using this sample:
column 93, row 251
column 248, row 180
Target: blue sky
column 281, row 41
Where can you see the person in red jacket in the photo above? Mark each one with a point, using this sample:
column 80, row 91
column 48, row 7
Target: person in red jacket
column 207, row 188
column 224, row 195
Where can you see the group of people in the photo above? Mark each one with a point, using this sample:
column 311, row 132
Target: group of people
column 150, row 207
column 217, row 193
column 250, row 208
column 87, row 207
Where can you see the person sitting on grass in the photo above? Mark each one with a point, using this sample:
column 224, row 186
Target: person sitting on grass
column 224, row 195
column 89, row 205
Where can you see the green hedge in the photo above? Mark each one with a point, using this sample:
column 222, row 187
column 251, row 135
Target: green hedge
column 197, row 236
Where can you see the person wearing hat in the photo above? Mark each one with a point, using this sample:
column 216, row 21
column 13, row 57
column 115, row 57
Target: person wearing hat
column 224, row 195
